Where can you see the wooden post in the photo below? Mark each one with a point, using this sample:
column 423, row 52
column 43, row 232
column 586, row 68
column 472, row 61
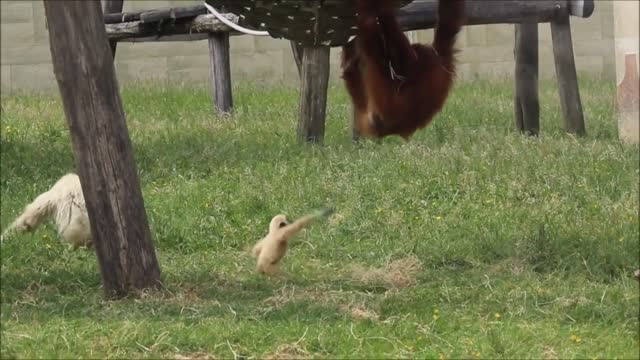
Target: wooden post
column 113, row 7
column 355, row 134
column 220, row 72
column 103, row 152
column 527, row 104
column 313, row 94
column 567, row 76
column 297, row 51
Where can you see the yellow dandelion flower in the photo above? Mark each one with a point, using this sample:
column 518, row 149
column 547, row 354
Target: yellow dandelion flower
column 497, row 316
column 438, row 217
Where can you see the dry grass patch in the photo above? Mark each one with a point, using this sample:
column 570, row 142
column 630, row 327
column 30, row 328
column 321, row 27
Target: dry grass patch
column 194, row 356
column 359, row 312
column 399, row 273
column 350, row 302
column 289, row 351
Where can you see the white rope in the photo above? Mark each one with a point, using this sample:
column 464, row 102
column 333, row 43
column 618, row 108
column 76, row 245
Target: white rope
column 234, row 25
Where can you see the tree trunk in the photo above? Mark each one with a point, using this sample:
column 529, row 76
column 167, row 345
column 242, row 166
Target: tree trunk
column 104, row 157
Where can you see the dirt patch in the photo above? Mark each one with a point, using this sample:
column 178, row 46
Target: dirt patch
column 399, row 273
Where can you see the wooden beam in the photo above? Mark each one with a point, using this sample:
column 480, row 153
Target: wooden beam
column 117, row 18
column 199, row 24
column 113, row 6
column 220, row 72
column 581, row 8
column 156, row 15
column 168, row 38
column 567, row 76
column 313, row 94
column 84, row 70
column 423, row 14
column 297, row 51
column 527, row 104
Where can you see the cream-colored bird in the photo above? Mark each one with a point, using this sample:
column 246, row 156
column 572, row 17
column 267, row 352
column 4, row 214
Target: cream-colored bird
column 272, row 248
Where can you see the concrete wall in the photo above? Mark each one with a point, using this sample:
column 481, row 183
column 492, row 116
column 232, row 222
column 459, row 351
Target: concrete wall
column 627, row 53
column 487, row 51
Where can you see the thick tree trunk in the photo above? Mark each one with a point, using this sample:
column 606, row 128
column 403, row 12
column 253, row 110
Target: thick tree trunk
column 84, row 69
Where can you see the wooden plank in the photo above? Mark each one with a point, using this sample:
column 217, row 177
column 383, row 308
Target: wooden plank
column 200, row 24
column 297, row 51
column 104, row 156
column 153, row 15
column 110, row 7
column 567, row 76
column 168, row 38
column 313, row 94
column 180, row 12
column 220, row 72
column 423, row 14
column 527, row 104
column 121, row 17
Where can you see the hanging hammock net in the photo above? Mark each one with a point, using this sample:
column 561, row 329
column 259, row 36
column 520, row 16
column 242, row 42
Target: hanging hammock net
column 306, row 22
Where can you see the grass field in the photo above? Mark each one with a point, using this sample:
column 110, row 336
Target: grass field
column 470, row 241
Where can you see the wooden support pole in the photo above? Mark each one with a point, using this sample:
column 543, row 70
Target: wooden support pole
column 112, row 7
column 527, row 104
column 313, row 94
column 220, row 72
column 355, row 134
column 297, row 51
column 423, row 14
column 103, row 152
column 567, row 76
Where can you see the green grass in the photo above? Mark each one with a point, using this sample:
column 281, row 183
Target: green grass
column 526, row 245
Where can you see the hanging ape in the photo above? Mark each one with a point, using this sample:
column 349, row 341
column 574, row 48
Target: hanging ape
column 396, row 88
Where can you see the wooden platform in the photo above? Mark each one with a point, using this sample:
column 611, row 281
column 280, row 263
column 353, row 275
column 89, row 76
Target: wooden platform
column 314, row 26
